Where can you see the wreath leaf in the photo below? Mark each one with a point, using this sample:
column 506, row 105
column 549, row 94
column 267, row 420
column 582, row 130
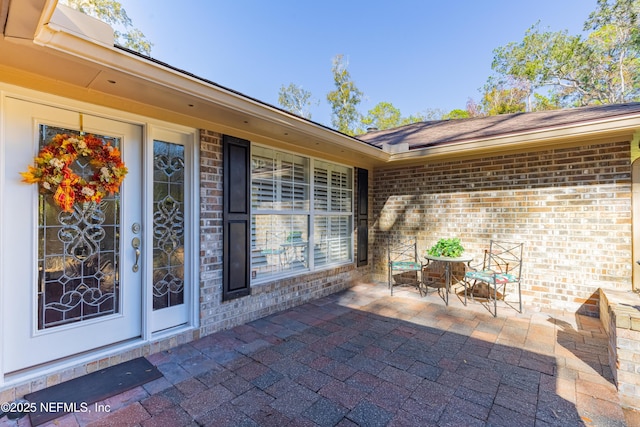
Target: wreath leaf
column 53, row 173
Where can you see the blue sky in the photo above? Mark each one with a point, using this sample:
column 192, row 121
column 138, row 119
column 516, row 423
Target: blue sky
column 417, row 55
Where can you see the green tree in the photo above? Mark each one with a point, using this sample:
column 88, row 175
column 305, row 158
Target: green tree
column 504, row 98
column 542, row 102
column 296, row 100
column 344, row 99
column 560, row 70
column 456, row 114
column 543, row 59
column 413, row 118
column 385, row 116
column 112, row 12
column 431, row 114
column 614, row 53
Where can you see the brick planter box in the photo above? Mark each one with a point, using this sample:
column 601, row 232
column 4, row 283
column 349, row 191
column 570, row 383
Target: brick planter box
column 620, row 316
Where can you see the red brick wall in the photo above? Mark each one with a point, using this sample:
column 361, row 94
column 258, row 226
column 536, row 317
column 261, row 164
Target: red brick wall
column 571, row 207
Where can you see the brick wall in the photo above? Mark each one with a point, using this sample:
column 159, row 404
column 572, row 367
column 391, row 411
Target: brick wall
column 571, row 207
column 215, row 315
column 265, row 298
column 620, row 316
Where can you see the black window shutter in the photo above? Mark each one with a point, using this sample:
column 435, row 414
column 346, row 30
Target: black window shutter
column 236, row 218
column 362, row 217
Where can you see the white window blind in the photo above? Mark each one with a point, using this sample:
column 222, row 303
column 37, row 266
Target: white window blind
column 287, row 224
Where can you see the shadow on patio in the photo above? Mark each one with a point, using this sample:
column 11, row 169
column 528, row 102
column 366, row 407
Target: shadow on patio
column 361, row 357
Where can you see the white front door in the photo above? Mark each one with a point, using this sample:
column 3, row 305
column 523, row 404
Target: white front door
column 71, row 282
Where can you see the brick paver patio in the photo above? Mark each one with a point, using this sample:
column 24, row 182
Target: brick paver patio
column 362, row 357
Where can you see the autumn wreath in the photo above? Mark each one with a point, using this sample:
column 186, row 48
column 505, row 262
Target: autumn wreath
column 54, row 174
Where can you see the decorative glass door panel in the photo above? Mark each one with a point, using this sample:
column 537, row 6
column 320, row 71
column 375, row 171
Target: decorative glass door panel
column 74, row 281
column 168, row 225
column 170, row 293
column 78, row 252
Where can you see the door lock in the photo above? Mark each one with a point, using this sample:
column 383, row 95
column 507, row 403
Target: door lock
column 136, row 245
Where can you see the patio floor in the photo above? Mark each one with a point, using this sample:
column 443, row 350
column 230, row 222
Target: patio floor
column 362, row 357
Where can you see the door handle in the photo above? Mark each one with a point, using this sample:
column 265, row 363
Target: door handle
column 136, row 245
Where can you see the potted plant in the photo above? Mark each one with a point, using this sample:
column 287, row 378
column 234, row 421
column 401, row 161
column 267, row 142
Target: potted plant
column 447, row 248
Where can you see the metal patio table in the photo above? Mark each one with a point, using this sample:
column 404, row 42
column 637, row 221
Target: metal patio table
column 448, row 261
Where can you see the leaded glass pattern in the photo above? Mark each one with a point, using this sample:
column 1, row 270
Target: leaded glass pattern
column 78, row 253
column 168, row 224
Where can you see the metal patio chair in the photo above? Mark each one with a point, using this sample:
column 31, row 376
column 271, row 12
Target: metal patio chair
column 502, row 266
column 402, row 259
column 272, row 249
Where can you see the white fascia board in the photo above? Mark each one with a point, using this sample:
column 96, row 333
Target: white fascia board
column 69, row 21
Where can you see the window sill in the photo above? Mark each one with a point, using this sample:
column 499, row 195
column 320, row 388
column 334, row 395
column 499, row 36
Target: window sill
column 300, row 273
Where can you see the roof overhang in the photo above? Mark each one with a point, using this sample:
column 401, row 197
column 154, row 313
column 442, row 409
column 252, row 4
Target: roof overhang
column 616, row 129
column 58, row 50
column 61, row 51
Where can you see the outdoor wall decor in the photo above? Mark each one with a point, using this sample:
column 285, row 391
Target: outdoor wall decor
column 54, row 174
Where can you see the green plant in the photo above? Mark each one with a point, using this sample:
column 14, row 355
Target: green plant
column 447, row 247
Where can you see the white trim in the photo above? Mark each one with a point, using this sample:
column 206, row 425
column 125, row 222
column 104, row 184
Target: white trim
column 187, row 138
column 194, row 227
column 297, row 153
column 71, row 362
column 266, row 120
column 2, row 203
column 635, row 224
column 145, row 233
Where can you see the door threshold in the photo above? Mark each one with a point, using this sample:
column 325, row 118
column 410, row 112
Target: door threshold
column 82, row 360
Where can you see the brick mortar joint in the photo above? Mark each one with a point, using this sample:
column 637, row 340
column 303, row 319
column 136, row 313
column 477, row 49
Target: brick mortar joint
column 622, row 314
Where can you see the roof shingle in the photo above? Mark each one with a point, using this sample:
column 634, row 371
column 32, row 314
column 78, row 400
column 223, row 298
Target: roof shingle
column 439, row 132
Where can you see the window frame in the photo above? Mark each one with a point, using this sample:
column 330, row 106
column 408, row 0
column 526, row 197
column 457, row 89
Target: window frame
column 310, row 212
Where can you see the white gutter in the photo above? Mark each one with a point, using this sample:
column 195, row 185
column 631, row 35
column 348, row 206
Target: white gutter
column 69, row 32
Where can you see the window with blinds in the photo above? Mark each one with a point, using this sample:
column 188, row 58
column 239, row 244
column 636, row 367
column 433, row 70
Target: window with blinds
column 292, row 231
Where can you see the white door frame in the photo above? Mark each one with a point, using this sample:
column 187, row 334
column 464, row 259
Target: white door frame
column 635, row 223
column 28, row 344
column 150, row 127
